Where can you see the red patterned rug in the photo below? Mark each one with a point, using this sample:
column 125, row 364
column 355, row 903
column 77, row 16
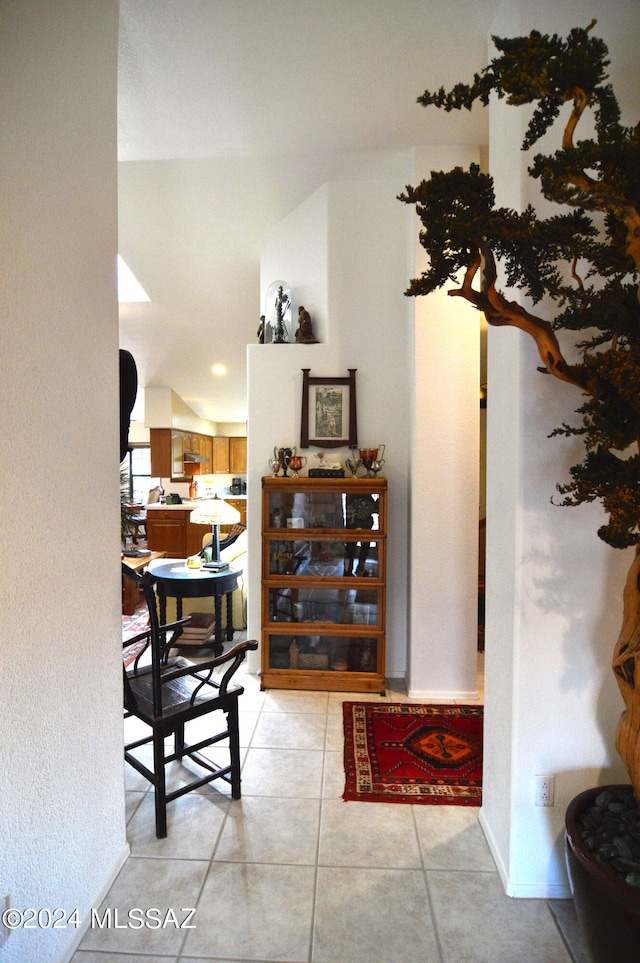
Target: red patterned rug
column 138, row 622
column 404, row 753
column 131, row 626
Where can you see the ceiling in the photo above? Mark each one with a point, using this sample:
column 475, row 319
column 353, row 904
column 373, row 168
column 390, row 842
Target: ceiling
column 230, row 114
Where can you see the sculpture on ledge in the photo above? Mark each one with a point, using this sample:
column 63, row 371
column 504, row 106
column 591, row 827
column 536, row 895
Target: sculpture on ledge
column 304, row 334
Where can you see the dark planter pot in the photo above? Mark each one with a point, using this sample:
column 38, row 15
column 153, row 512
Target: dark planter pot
column 608, row 908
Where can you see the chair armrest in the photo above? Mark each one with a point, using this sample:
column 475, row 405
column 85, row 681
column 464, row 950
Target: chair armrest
column 235, row 655
column 163, row 628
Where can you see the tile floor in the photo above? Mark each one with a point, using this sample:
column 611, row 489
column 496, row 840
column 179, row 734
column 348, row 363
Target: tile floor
column 293, row 873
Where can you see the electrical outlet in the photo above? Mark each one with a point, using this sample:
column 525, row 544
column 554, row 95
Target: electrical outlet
column 4, row 932
column 545, row 790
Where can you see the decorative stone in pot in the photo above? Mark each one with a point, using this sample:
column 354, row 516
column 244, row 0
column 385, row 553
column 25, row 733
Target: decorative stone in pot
column 600, row 852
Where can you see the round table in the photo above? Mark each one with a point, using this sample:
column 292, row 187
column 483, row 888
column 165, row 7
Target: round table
column 175, row 580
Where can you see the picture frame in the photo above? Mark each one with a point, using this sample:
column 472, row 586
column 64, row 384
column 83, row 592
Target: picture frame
column 329, row 414
column 360, row 614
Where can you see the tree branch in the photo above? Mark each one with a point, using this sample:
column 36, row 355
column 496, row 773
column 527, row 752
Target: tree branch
column 504, row 312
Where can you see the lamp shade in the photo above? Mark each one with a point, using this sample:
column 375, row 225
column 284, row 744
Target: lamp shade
column 215, row 511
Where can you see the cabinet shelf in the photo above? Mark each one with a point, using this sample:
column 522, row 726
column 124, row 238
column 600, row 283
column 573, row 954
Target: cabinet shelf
column 323, row 583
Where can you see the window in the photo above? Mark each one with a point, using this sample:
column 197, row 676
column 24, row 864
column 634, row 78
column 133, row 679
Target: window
column 139, row 467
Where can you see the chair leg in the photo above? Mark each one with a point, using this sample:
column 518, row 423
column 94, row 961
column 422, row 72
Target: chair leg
column 160, row 786
column 179, row 740
column 234, row 748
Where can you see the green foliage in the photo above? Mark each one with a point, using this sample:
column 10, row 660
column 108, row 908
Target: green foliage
column 128, row 512
column 536, row 69
column 583, row 263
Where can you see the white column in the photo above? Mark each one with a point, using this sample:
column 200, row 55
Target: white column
column 445, row 452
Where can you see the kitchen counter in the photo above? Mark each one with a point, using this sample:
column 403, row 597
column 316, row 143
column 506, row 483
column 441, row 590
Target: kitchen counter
column 192, row 503
column 188, row 504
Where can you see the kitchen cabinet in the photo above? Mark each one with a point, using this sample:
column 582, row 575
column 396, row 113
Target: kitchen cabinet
column 324, row 583
column 170, row 530
column 220, row 455
column 160, row 452
column 229, row 455
column 237, row 456
column 168, row 447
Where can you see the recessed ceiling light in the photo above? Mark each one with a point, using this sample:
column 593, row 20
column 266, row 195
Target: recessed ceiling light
column 219, row 370
column 129, row 288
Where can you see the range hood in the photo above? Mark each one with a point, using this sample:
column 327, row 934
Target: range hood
column 193, row 456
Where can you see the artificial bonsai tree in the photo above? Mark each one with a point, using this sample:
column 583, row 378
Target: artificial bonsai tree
column 582, row 263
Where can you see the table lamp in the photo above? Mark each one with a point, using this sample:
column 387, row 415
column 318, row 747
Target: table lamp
column 215, row 512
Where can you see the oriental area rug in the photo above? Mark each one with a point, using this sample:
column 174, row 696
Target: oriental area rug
column 405, row 753
column 131, row 626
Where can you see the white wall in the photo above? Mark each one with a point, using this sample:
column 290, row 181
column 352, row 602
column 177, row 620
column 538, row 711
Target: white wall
column 553, row 589
column 444, row 476
column 62, row 798
column 163, row 408
column 343, row 252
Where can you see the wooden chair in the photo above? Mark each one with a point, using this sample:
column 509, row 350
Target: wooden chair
column 166, row 693
column 232, row 536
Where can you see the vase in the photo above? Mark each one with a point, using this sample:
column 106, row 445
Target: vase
column 608, row 908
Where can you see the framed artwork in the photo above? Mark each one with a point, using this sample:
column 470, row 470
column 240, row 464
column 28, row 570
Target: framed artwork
column 329, row 418
column 360, row 614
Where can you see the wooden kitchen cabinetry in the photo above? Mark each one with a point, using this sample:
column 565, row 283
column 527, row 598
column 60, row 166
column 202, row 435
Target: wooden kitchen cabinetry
column 229, row 455
column 169, row 530
column 323, row 583
column 168, row 447
column 237, row 456
column 220, row 455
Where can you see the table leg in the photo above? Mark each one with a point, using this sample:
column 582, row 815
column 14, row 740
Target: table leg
column 230, row 617
column 162, row 598
column 219, row 626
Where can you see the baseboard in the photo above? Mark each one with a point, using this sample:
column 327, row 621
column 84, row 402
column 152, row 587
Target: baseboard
column 438, row 695
column 75, row 941
column 521, row 890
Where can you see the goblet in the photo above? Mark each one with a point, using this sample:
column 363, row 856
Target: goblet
column 274, row 465
column 378, row 462
column 354, row 462
column 283, row 454
column 295, row 463
column 368, row 456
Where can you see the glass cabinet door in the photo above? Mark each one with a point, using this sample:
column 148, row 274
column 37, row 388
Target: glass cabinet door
column 322, row 558
column 320, row 653
column 324, row 509
column 341, row 606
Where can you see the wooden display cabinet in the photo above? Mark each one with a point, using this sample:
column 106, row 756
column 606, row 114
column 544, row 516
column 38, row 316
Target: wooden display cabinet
column 323, row 583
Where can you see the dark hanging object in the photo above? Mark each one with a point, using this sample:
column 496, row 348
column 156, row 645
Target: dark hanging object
column 128, row 392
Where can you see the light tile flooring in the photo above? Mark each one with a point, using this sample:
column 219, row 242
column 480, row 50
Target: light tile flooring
column 293, row 873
